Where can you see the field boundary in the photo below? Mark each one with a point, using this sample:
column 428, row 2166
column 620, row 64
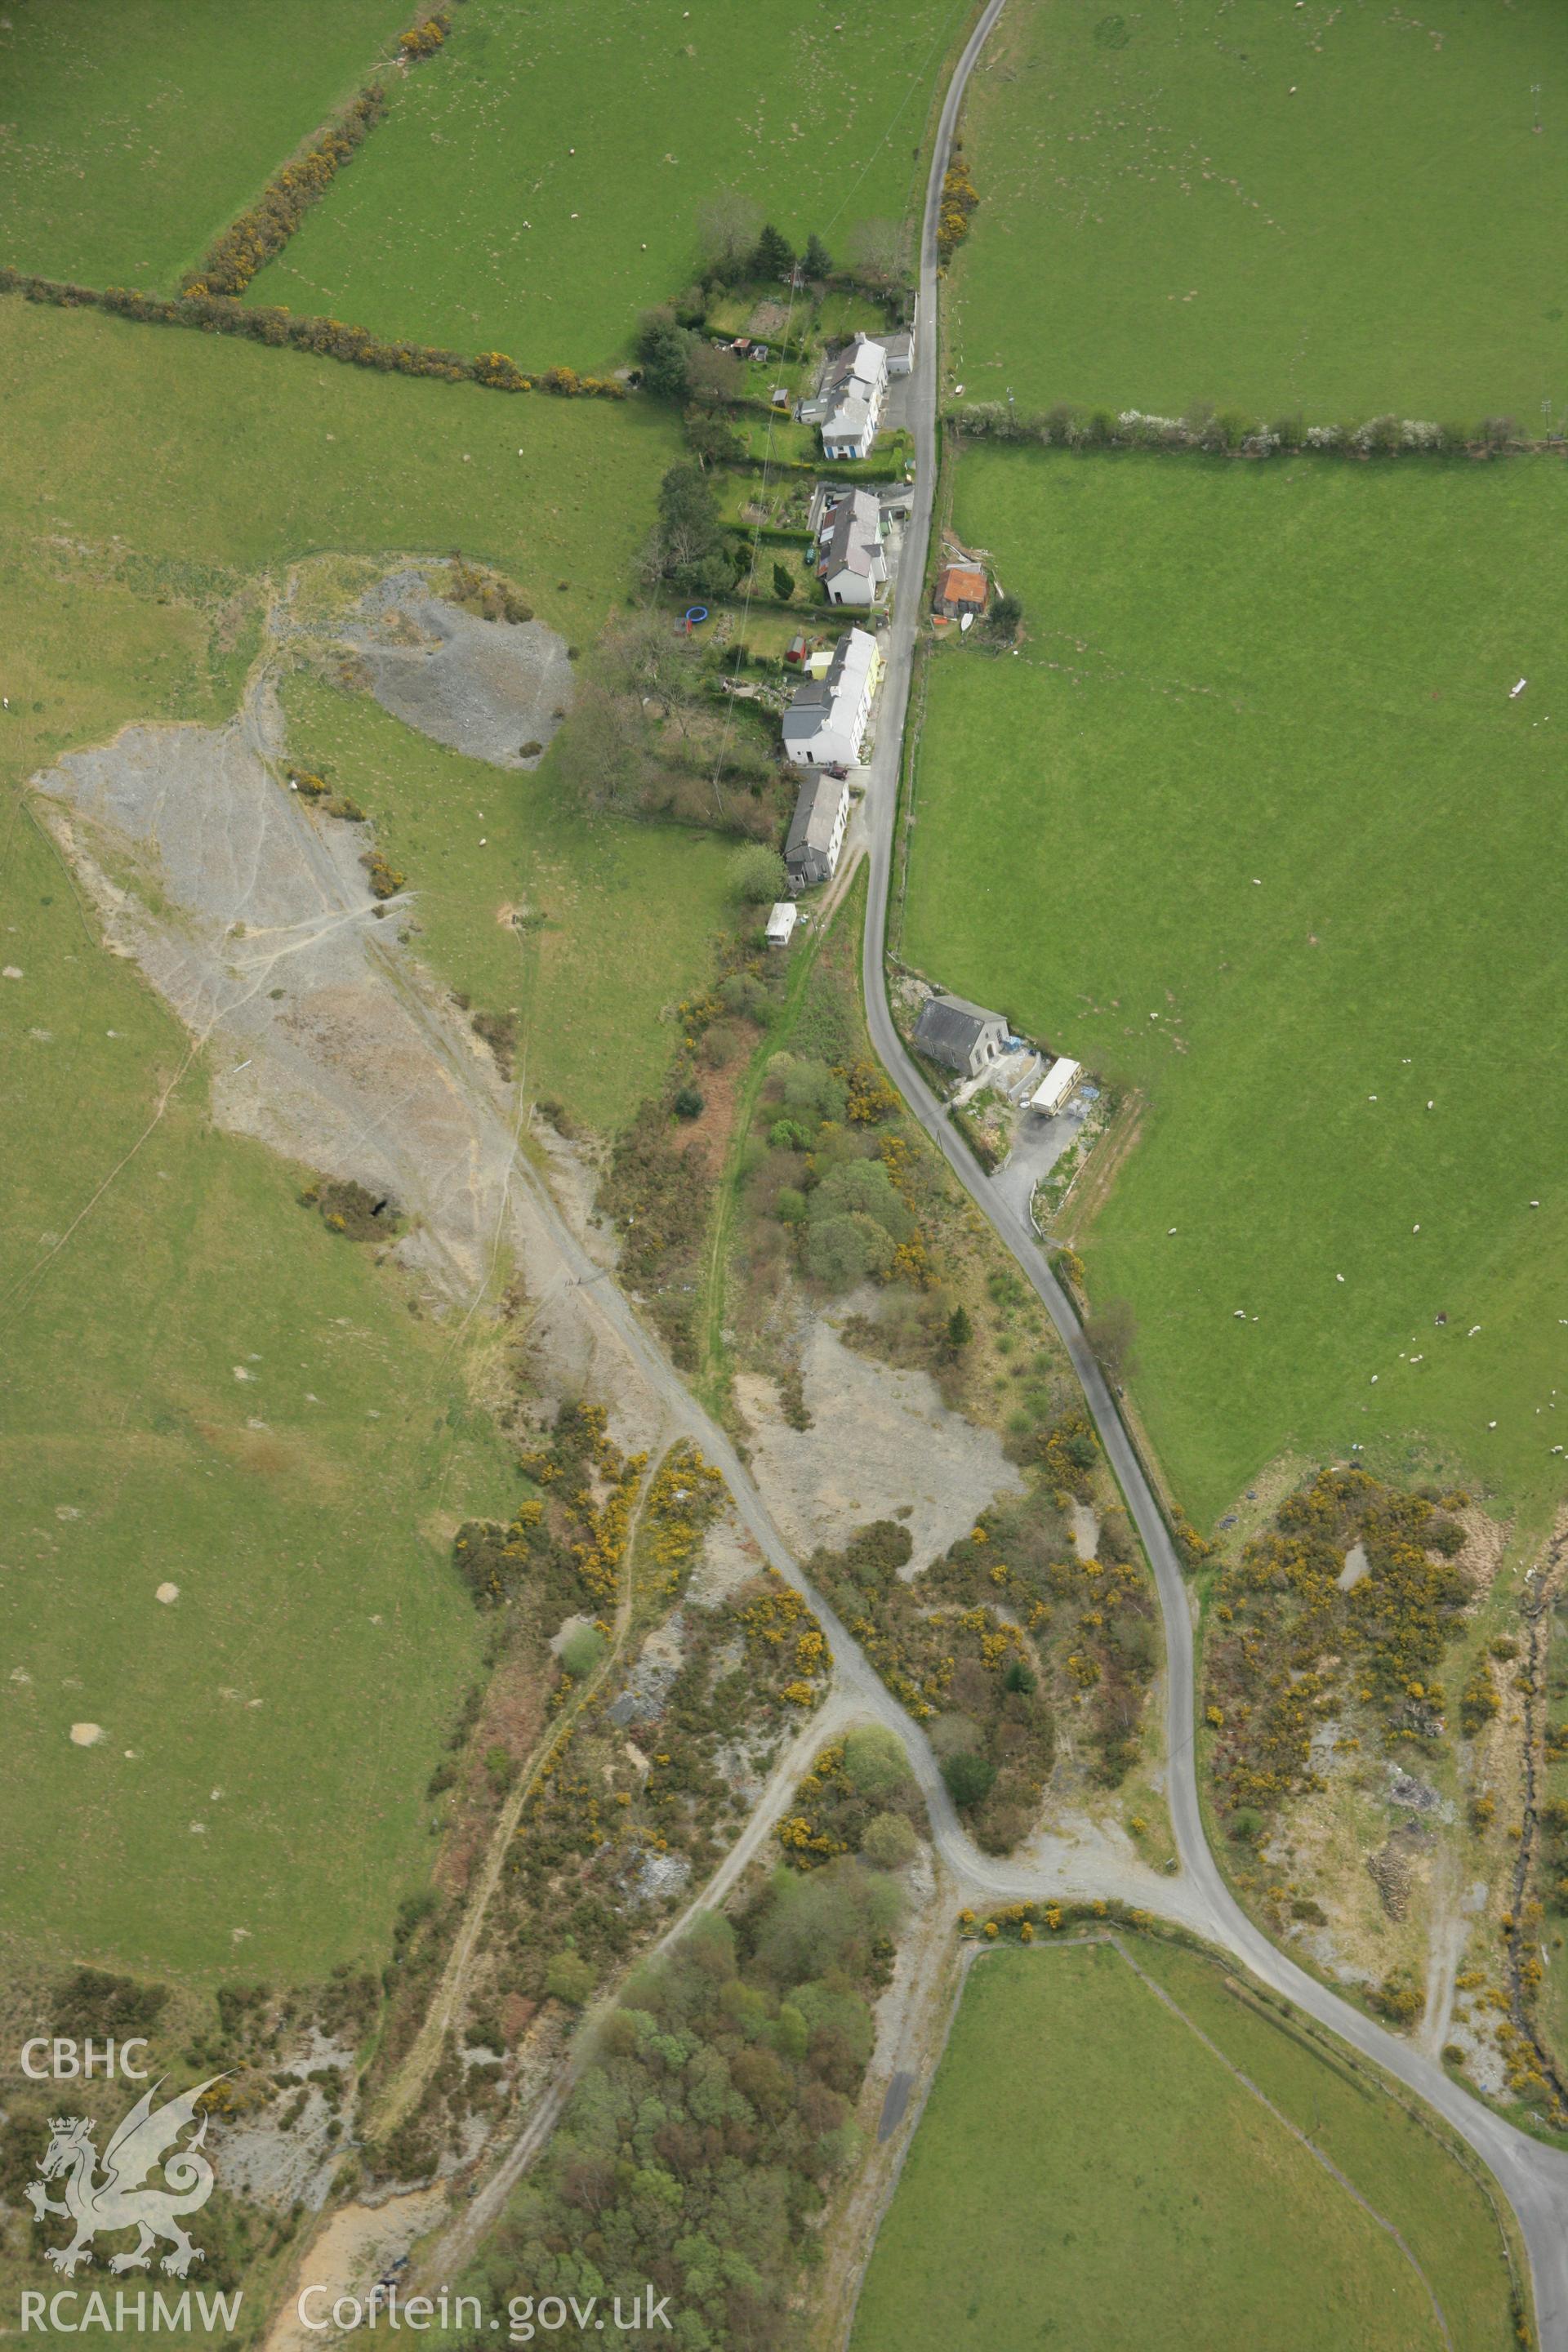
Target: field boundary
column 328, row 339
column 1341, row 2061
column 1234, row 435
column 259, row 231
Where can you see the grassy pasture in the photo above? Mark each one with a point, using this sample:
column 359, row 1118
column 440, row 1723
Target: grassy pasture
column 1087, row 2171
column 133, row 134
column 308, row 1554
column 209, row 449
column 150, row 482
column 468, row 220
column 1253, row 825
column 1323, row 210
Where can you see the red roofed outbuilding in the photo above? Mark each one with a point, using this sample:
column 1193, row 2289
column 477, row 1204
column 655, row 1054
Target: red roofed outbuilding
column 960, row 589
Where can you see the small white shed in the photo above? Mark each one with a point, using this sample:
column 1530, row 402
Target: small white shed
column 1056, row 1086
column 782, row 922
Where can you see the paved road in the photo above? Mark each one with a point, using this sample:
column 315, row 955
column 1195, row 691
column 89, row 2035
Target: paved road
column 1535, row 2178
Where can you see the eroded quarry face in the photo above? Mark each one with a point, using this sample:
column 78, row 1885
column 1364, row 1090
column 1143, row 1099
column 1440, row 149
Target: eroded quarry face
column 325, row 1039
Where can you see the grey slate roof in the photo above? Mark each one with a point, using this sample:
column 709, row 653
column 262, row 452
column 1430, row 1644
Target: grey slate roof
column 811, row 828
column 857, row 529
column 950, row 1027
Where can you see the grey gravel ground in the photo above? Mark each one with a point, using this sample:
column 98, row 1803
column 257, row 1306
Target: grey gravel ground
column 483, row 688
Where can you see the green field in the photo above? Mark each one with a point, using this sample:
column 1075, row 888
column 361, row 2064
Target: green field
column 210, row 450
column 308, row 1552
column 1323, row 210
column 154, row 481
column 1253, row 825
column 468, row 220
column 1089, row 2171
column 132, row 134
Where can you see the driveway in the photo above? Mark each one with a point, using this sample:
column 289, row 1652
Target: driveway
column 1038, row 1144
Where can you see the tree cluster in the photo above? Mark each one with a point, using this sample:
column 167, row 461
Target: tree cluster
column 859, row 1797
column 967, row 1674
column 838, row 1177
column 706, row 2135
column 737, row 245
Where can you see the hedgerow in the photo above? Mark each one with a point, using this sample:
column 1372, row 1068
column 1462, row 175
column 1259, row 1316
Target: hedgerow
column 331, row 338
column 259, row 234
column 1229, row 433
column 265, row 228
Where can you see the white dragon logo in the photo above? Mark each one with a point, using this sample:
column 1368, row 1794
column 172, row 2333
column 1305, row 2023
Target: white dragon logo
column 120, row 2200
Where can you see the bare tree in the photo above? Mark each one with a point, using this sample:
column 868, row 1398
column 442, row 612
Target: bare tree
column 645, row 656
column 713, row 376
column 879, row 255
column 728, row 227
column 604, row 755
column 1113, row 1332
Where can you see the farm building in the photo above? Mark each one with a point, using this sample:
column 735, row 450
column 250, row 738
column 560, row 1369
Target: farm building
column 1056, row 1086
column 852, row 562
column 960, row 589
column 816, row 829
column 824, row 724
column 961, row 1036
column 782, row 922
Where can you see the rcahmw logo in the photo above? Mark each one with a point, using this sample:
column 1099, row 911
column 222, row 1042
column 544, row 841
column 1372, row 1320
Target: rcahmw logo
column 104, row 2196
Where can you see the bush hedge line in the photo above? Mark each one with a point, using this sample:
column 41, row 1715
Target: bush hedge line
column 1227, row 433
column 821, row 470
column 260, row 233
column 220, row 314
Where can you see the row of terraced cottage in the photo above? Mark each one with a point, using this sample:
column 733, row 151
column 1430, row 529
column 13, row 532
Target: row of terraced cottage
column 826, row 723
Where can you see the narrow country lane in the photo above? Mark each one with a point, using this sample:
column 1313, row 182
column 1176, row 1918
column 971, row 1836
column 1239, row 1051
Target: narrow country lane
column 1534, row 2177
